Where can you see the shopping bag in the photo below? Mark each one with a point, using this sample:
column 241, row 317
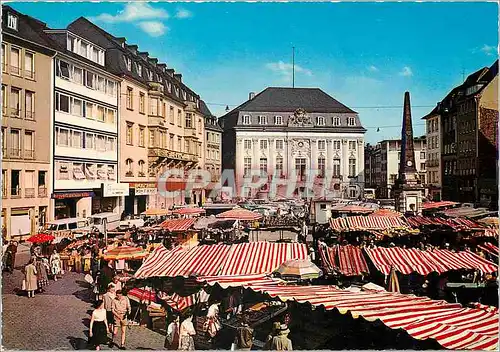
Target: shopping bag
column 24, row 285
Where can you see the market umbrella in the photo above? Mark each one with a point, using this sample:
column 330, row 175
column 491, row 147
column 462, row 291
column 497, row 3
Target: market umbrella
column 393, row 285
column 41, row 238
column 240, row 214
column 189, row 211
column 156, row 212
column 299, row 269
column 126, row 253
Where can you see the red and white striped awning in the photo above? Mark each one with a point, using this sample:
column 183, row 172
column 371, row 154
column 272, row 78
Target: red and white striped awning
column 189, row 211
column 353, row 209
column 261, row 257
column 177, row 225
column 489, row 248
column 179, row 303
column 142, row 294
column 348, row 260
column 240, row 214
column 239, row 280
column 451, row 325
column 386, row 212
column 435, row 205
column 220, row 259
column 408, row 260
column 363, row 223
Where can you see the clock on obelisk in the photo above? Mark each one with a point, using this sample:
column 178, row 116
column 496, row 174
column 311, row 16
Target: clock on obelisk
column 408, row 190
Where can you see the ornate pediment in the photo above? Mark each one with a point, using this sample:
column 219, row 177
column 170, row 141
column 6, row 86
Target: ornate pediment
column 300, row 118
column 302, row 146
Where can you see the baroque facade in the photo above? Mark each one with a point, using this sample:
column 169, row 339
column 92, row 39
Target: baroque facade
column 285, row 131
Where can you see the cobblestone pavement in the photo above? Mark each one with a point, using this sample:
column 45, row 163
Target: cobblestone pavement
column 57, row 319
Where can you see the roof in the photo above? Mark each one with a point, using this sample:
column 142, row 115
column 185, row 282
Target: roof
column 211, row 122
column 276, row 99
column 205, row 111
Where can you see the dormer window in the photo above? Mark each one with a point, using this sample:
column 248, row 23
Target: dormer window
column 262, row 120
column 128, row 63
column 246, row 119
column 150, row 75
column 351, row 121
column 336, row 121
column 12, row 21
column 321, row 121
column 139, row 70
column 278, row 120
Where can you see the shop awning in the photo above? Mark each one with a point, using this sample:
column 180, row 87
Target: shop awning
column 177, row 225
column 239, row 280
column 451, row 325
column 352, row 209
column 347, row 260
column 387, row 213
column 408, row 260
column 189, row 211
column 156, row 212
column 220, row 259
column 179, row 303
column 363, row 223
column 142, row 294
column 489, row 248
column 240, row 214
column 436, row 205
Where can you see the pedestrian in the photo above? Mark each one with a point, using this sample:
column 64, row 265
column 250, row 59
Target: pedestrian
column 121, row 311
column 99, row 328
column 186, row 333
column 274, row 332
column 55, row 264
column 11, row 254
column 42, row 276
column 281, row 342
column 244, row 335
column 212, row 323
column 116, row 282
column 108, row 299
column 30, row 280
column 172, row 338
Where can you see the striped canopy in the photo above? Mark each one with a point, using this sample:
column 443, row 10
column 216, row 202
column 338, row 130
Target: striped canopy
column 156, row 212
column 189, row 211
column 363, row 223
column 126, row 253
column 179, row 303
column 489, row 248
column 177, row 225
column 347, row 260
column 436, row 205
column 240, row 214
column 386, row 212
column 299, row 269
column 142, row 294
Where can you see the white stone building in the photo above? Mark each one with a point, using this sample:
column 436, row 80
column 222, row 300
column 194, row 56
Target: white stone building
column 285, row 131
column 433, row 163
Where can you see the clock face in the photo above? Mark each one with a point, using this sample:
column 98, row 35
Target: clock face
column 301, row 144
column 409, row 163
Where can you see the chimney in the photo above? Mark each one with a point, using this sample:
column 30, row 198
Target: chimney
column 251, row 95
column 178, row 77
column 144, row 55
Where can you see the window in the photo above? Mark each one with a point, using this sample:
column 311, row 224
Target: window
column 187, row 146
column 29, row 144
column 78, row 75
column 351, row 121
column 90, row 80
column 263, row 166
column 336, row 121
column 399, row 155
column 15, row 183
column 151, row 138
column 171, row 114
column 279, row 144
column 128, row 63
column 141, row 168
column 15, row 143
column 129, row 165
column 336, row 145
column 130, row 133
column 89, row 110
column 101, row 84
column 352, row 167
column 15, row 61
column 141, row 136
column 101, row 143
column 4, row 58
column 189, row 122
column 76, row 107
column 246, row 119
column 278, row 120
column 263, row 144
column 15, row 102
column 300, row 168
column 62, row 69
column 42, row 179
column 153, row 107
column 422, row 166
column 321, row 166
column 262, row 120
column 179, row 144
column 141, row 102
column 63, row 138
column 336, row 167
column 279, row 166
column 179, row 117
column 139, row 70
column 247, row 144
column 321, row 144
column 422, row 155
column 130, row 100
column 171, row 142
column 84, row 49
column 4, row 101
column 100, row 113
column 110, row 144
column 111, row 88
column 12, row 21
column 29, row 65
column 247, row 166
column 77, row 139
column 352, row 145
column 110, row 116
column 392, row 178
column 321, row 121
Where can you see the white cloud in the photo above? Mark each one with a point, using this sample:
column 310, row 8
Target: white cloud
column 406, row 72
column 286, row 70
column 153, row 28
column 488, row 49
column 182, row 13
column 133, row 11
column 373, row 68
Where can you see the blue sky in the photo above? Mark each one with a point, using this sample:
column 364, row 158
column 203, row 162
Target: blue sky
column 366, row 55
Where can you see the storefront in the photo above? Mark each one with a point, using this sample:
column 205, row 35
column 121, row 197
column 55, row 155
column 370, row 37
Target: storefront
column 22, row 221
column 108, row 199
column 139, row 197
column 72, row 204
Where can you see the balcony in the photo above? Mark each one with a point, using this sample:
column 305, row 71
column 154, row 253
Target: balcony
column 15, row 112
column 190, row 132
column 15, row 153
column 29, row 193
column 29, row 154
column 15, row 70
column 42, row 192
column 165, row 153
column 29, row 74
column 154, row 120
column 30, row 115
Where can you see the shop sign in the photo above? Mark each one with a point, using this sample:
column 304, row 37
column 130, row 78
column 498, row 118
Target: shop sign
column 145, row 188
column 72, row 195
column 115, row 189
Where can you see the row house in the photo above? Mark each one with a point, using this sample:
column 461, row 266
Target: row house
column 293, row 131
column 26, row 125
column 213, row 143
column 161, row 125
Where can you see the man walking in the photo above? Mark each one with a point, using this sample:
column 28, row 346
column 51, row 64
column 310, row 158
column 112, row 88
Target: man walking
column 121, row 310
column 108, row 299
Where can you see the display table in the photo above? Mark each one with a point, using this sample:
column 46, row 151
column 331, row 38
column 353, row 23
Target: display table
column 257, row 314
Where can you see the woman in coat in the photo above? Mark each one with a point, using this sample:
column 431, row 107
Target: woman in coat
column 30, row 278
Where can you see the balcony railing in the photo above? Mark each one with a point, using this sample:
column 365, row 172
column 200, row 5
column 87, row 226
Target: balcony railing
column 15, row 192
column 29, row 193
column 15, row 153
column 30, row 115
column 15, row 112
column 15, row 70
column 29, row 154
column 42, row 192
column 29, row 74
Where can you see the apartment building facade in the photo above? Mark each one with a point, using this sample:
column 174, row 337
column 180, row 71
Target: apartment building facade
column 433, row 162
column 213, row 143
column 286, row 131
column 161, row 123
column 26, row 125
column 383, row 161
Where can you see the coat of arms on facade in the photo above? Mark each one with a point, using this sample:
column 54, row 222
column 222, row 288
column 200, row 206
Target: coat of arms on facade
column 300, row 119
